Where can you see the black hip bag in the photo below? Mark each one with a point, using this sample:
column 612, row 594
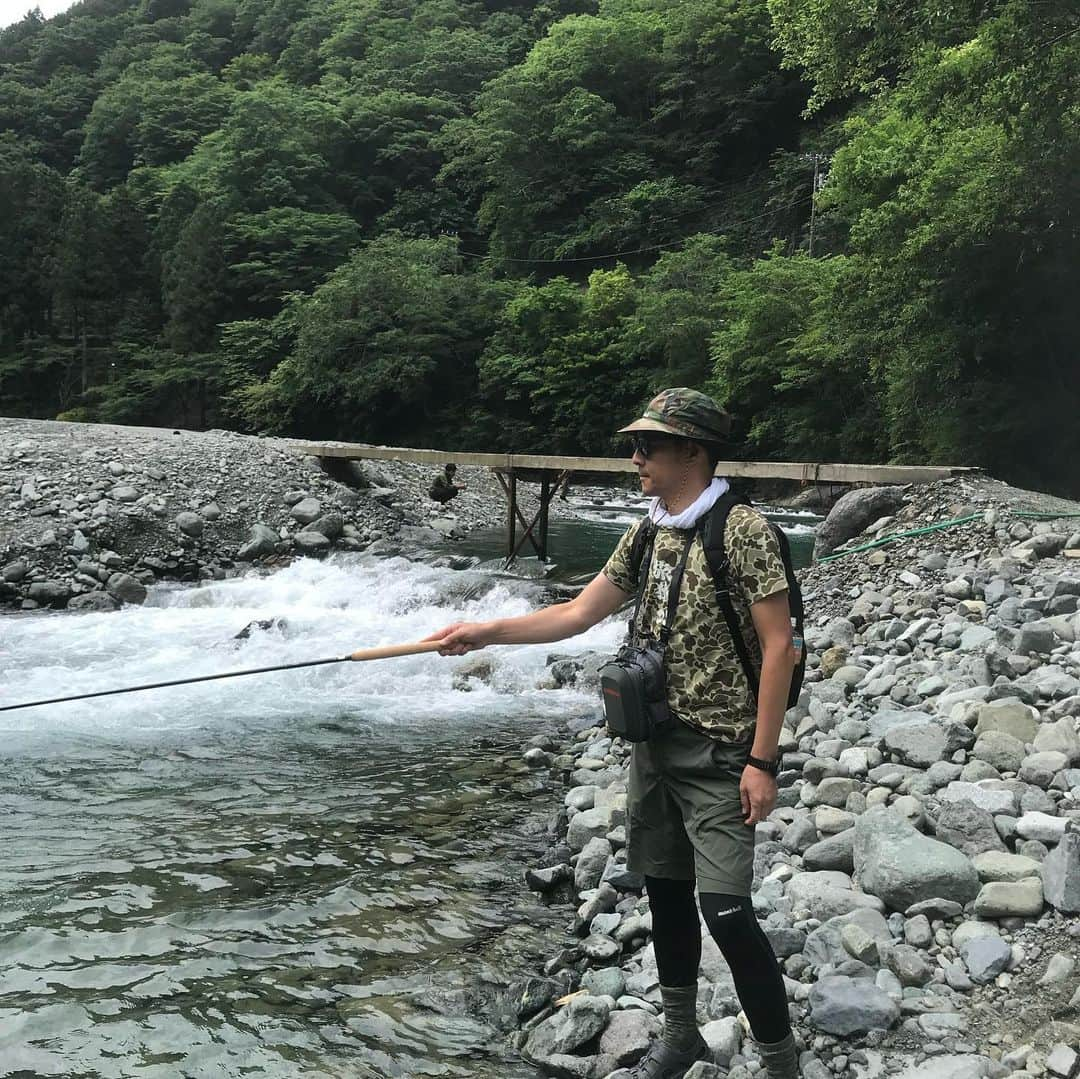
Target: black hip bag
column 634, row 683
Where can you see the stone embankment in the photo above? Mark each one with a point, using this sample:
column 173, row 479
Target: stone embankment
column 92, row 514
column 919, row 878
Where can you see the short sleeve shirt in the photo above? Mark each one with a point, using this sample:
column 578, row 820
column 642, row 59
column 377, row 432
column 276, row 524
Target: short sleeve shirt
column 706, row 685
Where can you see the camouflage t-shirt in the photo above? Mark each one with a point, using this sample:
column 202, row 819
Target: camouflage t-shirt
column 706, row 685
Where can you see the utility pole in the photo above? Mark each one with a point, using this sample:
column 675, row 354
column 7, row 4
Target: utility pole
column 813, row 200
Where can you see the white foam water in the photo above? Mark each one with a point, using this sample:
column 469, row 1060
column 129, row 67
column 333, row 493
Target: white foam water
column 328, row 608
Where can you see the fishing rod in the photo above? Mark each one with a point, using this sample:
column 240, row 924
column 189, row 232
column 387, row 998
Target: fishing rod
column 388, row 651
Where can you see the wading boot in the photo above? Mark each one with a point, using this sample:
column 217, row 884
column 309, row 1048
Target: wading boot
column 663, row 1062
column 779, row 1059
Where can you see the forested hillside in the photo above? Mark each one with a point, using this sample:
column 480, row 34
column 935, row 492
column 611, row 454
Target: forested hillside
column 504, row 224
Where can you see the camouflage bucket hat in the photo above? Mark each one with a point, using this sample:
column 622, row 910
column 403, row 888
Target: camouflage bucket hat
column 683, row 412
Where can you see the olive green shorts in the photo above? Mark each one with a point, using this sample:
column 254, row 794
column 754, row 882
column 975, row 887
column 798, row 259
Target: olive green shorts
column 684, row 814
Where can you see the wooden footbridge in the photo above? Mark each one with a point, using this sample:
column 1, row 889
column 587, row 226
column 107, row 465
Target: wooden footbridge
column 552, row 473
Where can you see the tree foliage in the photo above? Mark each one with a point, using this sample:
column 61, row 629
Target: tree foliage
column 506, row 223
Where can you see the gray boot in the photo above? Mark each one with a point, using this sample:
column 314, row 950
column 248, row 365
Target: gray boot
column 780, row 1059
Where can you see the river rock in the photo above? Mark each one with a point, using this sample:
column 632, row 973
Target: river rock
column 15, row 571
column 1041, row 826
column 949, row 1066
column 852, row 513
column 1009, row 715
column 329, row 525
column 826, row 944
column 901, row 866
column 992, row 799
column 917, row 744
column 126, row 588
column 262, row 541
column 587, row 825
column 828, row 894
column 93, row 601
column 569, row 1028
column 591, row 863
column 191, row 524
column 49, row 593
column 836, row 852
column 1000, row 865
column 1061, row 737
column 841, row 1005
column 1039, row 769
column 311, row 541
column 628, row 1035
column 986, row 957
column 968, row 828
column 1000, row 750
column 1010, row 899
column 306, row 510
column 1061, row 875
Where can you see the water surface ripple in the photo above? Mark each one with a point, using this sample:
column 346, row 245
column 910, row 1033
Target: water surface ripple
column 315, row 873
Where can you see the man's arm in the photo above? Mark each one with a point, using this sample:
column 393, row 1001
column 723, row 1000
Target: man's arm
column 593, row 604
column 772, row 623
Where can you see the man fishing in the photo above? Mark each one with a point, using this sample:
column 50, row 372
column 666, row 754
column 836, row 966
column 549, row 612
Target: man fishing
column 700, row 783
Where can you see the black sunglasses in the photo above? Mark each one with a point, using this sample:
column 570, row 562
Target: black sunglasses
column 646, row 443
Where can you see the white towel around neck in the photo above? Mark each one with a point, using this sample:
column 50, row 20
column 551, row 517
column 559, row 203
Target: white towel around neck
column 659, row 515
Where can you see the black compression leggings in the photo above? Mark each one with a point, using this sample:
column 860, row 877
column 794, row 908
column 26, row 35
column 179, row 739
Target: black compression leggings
column 734, row 926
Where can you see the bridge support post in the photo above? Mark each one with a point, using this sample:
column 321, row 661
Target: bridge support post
column 536, row 530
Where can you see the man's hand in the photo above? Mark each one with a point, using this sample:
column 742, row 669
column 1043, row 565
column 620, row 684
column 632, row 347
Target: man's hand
column 461, row 637
column 757, row 789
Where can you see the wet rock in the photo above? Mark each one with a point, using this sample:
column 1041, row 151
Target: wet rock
column 311, row 541
column 127, row 589
column 49, row 593
column 550, row 878
column 568, row 1029
column 93, row 601
column 262, row 541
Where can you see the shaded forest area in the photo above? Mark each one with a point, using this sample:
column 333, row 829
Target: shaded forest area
column 503, row 225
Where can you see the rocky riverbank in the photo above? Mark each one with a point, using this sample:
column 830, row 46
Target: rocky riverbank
column 920, row 876
column 91, row 514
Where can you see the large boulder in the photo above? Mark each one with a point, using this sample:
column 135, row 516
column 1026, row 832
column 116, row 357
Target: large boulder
column 262, row 540
column 902, row 866
column 852, row 513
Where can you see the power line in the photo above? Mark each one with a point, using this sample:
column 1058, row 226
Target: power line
column 640, row 250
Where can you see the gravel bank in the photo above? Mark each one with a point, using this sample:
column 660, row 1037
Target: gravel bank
column 90, row 514
column 920, row 876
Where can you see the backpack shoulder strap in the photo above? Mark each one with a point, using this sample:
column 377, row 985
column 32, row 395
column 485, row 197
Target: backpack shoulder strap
column 716, row 556
column 642, row 542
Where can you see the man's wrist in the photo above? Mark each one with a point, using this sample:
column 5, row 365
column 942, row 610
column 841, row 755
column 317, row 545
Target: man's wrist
column 763, row 764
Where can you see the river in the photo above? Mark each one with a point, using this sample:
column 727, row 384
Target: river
column 311, row 873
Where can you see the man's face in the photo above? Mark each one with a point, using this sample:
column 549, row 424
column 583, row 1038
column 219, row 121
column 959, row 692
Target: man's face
column 661, row 463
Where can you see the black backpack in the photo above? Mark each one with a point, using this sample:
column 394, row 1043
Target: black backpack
column 712, row 528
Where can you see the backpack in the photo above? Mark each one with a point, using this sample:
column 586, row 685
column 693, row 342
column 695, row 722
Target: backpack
column 712, row 528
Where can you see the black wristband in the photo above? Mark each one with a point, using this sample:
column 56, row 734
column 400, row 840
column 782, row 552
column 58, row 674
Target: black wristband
column 772, row 767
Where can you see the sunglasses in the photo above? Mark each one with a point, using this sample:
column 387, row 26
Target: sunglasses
column 646, row 444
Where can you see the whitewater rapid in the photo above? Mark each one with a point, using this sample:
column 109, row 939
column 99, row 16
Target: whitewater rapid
column 320, row 609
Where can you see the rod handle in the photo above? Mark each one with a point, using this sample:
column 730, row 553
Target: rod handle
column 388, row 651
